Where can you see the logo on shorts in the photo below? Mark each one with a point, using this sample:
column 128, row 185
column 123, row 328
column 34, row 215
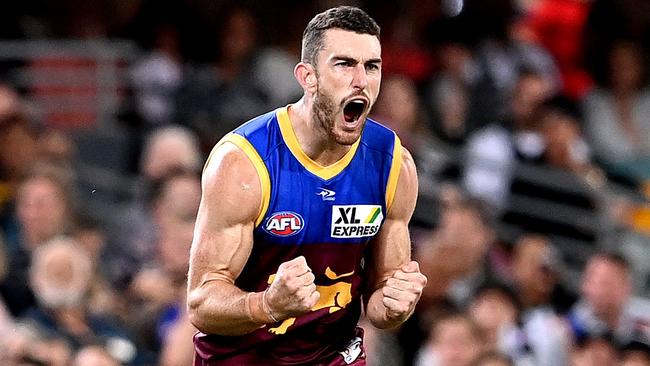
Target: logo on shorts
column 353, row 350
column 356, row 221
column 285, row 223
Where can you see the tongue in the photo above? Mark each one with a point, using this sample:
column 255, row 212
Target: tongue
column 350, row 116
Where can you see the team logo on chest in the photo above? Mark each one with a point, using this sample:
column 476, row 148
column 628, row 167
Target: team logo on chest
column 356, row 221
column 285, row 223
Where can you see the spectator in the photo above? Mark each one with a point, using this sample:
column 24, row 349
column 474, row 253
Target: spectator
column 566, row 149
column 606, row 306
column 216, row 98
column 536, row 271
column 449, row 98
column 133, row 232
column 61, row 276
column 454, row 256
column 455, row 340
column 492, row 151
column 157, row 76
column 398, row 106
column 43, row 211
column 500, row 58
column 18, row 152
column 616, row 114
column 537, row 274
column 167, row 149
column 159, row 287
column 496, row 311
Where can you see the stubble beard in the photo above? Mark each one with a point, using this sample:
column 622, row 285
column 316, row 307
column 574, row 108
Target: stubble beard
column 325, row 111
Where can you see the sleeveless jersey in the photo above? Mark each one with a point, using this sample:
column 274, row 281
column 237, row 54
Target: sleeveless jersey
column 327, row 214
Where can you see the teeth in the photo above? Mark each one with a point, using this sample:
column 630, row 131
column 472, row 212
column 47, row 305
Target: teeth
column 358, row 102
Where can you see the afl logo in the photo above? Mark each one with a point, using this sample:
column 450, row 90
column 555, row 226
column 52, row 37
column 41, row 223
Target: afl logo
column 285, row 223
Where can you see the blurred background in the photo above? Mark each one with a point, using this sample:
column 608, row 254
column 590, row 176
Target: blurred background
column 529, row 121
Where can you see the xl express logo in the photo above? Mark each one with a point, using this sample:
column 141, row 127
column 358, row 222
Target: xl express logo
column 285, row 223
column 356, row 221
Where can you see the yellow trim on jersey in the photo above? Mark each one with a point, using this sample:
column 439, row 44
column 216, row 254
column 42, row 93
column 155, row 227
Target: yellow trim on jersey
column 395, row 167
column 324, row 172
column 255, row 158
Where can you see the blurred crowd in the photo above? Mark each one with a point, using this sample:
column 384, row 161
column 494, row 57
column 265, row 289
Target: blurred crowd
column 529, row 122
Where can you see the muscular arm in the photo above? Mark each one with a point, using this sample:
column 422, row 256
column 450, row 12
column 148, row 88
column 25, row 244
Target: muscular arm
column 391, row 252
column 223, row 239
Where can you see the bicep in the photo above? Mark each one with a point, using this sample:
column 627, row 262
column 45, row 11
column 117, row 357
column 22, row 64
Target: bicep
column 391, row 248
column 223, row 233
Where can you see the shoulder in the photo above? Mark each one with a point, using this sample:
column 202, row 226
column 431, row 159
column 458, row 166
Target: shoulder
column 402, row 202
column 261, row 132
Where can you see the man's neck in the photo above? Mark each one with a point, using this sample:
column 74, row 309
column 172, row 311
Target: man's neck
column 312, row 137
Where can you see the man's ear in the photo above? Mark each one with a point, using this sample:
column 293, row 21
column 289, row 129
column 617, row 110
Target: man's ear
column 306, row 76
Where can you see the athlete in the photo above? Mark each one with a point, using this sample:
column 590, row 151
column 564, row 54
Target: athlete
column 304, row 217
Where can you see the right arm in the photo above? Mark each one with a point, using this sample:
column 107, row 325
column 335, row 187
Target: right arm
column 223, row 240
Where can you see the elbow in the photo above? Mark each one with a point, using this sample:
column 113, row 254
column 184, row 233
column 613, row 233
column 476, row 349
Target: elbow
column 195, row 314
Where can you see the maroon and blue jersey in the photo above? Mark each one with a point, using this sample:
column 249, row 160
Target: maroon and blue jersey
column 326, row 214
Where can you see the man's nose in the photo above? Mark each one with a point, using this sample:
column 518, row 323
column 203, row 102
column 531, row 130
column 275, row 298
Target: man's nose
column 360, row 79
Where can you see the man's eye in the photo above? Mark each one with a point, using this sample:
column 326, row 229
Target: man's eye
column 343, row 63
column 372, row 67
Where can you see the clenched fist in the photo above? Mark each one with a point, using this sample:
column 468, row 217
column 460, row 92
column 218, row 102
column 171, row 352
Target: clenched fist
column 402, row 291
column 292, row 291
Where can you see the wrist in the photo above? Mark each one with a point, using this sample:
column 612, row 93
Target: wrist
column 258, row 308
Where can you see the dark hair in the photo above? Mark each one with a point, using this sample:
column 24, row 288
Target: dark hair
column 348, row 18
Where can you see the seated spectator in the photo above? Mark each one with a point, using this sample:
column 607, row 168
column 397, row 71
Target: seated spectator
column 454, row 255
column 168, row 149
column 61, row 276
column 449, row 97
column 217, row 97
column 18, row 152
column 607, row 306
column 455, row 340
column 43, row 212
column 616, row 115
column 158, row 288
column 491, row 152
column 536, row 275
column 496, row 311
column 565, row 148
column 132, row 232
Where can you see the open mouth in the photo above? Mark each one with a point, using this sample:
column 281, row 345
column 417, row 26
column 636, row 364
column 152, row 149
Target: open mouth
column 353, row 110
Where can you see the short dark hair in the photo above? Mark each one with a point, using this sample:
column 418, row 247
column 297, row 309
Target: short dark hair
column 348, row 18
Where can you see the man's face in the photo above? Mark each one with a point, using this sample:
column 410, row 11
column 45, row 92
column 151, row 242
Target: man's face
column 605, row 286
column 348, row 76
column 42, row 209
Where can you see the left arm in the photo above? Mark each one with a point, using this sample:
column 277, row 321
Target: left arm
column 395, row 282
